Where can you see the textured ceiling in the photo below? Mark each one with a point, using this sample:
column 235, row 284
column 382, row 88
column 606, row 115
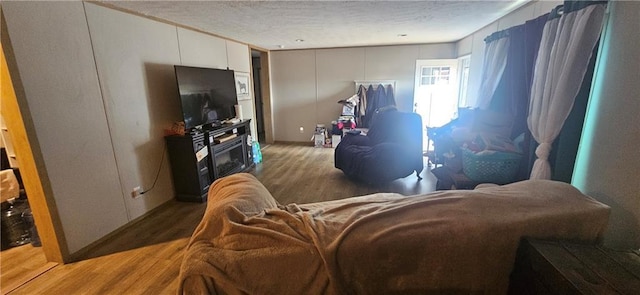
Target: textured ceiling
column 321, row 24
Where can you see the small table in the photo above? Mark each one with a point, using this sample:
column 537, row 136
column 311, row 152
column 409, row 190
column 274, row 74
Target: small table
column 447, row 179
column 544, row 267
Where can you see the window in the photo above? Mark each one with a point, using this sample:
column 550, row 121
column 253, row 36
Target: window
column 435, row 75
column 463, row 64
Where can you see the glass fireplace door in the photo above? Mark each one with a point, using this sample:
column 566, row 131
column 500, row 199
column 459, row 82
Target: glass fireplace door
column 228, row 157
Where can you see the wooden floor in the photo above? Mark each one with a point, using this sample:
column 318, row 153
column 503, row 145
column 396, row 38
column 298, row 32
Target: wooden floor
column 145, row 257
column 21, row 264
column 304, row 174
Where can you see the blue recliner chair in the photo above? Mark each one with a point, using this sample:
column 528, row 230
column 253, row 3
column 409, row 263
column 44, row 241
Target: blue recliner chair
column 391, row 149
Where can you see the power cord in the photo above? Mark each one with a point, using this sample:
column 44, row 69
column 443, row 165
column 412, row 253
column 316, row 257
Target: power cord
column 164, row 150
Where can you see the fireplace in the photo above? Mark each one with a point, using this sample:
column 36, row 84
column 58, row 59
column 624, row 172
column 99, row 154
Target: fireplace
column 200, row 157
column 228, row 157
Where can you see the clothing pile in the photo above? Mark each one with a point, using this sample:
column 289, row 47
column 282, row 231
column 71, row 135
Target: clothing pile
column 370, row 99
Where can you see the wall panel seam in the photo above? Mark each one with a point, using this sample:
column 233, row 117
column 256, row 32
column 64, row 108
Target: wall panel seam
column 106, row 113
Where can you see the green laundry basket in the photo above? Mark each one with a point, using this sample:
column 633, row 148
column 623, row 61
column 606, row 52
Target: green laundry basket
column 490, row 166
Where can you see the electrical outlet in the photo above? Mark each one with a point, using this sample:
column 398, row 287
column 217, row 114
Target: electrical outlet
column 301, row 129
column 137, row 191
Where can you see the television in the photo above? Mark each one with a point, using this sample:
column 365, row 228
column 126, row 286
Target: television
column 207, row 96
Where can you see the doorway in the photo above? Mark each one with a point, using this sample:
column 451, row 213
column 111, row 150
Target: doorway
column 262, row 92
column 436, row 92
column 259, row 106
column 23, row 262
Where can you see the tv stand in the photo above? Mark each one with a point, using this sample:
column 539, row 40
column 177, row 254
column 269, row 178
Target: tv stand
column 231, row 121
column 198, row 159
column 214, row 125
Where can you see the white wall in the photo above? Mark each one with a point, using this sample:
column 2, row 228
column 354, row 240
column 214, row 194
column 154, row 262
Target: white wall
column 395, row 63
column 293, row 94
column 335, row 69
column 201, row 50
column 62, row 92
column 239, row 60
column 307, row 84
column 100, row 88
column 135, row 67
column 608, row 163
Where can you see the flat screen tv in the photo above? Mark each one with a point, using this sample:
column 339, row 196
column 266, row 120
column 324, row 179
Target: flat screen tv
column 208, row 96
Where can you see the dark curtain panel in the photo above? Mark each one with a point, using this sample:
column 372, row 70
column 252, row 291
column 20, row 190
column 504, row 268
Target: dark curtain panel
column 514, row 89
column 497, row 35
column 565, row 147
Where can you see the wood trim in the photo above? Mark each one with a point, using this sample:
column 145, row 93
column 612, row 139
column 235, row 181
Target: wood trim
column 296, row 143
column 42, row 205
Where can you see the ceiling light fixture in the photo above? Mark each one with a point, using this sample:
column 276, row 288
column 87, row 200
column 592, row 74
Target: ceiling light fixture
column 402, row 35
column 299, row 40
column 280, row 46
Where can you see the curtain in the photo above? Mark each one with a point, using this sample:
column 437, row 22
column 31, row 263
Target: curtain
column 495, row 60
column 514, row 90
column 565, row 50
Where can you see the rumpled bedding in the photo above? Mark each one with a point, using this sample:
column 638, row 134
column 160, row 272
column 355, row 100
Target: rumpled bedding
column 385, row 243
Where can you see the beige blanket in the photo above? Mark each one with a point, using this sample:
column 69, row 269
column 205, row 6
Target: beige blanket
column 443, row 242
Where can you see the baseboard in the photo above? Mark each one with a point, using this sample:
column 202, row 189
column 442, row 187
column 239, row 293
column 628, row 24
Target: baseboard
column 299, row 143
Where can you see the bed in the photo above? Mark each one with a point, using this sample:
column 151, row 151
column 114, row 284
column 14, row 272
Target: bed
column 442, row 242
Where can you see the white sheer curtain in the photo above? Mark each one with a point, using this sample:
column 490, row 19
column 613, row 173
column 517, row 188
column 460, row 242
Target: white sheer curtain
column 495, row 60
column 563, row 57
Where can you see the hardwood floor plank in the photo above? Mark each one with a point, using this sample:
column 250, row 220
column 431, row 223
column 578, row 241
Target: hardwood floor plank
column 21, row 264
column 26, row 275
column 145, row 257
column 304, row 174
